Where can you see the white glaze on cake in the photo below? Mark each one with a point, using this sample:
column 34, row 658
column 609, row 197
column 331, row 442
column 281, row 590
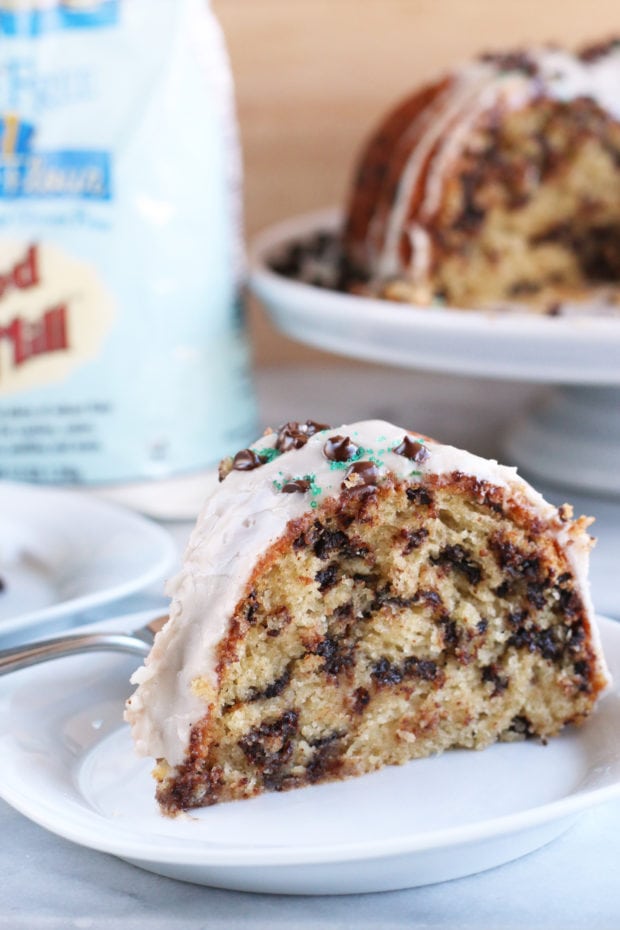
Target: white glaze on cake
column 240, row 520
column 443, row 128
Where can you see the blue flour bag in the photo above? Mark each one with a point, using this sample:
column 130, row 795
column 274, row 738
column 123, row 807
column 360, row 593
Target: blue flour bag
column 123, row 360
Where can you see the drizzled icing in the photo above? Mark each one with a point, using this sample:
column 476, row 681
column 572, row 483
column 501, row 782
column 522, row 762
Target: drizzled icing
column 245, row 515
column 443, row 128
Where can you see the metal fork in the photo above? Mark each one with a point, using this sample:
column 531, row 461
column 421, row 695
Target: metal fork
column 138, row 643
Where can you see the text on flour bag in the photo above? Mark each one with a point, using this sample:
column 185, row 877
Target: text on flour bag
column 123, row 358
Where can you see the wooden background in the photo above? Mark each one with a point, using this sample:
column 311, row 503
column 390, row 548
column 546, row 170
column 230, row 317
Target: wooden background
column 313, row 76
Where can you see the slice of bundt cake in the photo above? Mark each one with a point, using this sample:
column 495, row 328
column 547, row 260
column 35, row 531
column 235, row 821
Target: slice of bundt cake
column 357, row 597
column 499, row 184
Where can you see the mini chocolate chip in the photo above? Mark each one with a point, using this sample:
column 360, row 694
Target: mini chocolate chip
column 548, row 645
column 299, row 484
column 326, row 740
column 291, row 436
column 535, row 595
column 252, row 607
column 361, row 699
column 287, row 441
column 274, row 689
column 414, row 538
column 295, row 435
column 327, row 577
column 247, row 460
column 491, row 674
column 337, row 656
column 425, row 669
column 517, row 617
column 429, row 597
column 270, row 745
column 459, row 558
column 412, row 449
column 419, row 496
column 581, row 667
column 339, row 449
column 367, row 475
column 314, row 427
column 324, row 541
column 386, row 673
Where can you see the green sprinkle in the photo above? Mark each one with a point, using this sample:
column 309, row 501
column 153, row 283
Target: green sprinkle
column 267, row 455
column 314, row 504
column 314, row 487
column 372, row 456
column 416, row 472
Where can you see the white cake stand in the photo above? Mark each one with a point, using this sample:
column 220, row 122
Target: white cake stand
column 571, row 437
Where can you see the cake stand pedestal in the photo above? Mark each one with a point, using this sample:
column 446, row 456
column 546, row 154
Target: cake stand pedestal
column 571, row 437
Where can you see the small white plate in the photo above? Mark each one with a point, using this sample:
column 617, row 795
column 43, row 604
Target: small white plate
column 572, row 349
column 64, row 551
column 66, row 762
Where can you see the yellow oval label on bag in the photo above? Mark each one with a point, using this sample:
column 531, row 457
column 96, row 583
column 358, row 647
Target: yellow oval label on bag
column 54, row 314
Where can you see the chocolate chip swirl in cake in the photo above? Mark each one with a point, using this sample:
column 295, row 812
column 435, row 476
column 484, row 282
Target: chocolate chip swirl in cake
column 357, row 597
column 498, row 184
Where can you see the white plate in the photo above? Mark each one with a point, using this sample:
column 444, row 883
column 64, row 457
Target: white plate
column 66, row 762
column 63, row 552
column 571, row 350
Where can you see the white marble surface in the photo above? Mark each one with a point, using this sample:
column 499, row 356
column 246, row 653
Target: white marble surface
column 49, row 883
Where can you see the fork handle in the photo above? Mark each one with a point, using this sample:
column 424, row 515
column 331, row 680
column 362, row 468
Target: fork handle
column 22, row 656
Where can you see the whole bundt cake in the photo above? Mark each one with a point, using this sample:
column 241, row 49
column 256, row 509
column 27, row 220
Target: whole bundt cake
column 497, row 185
column 357, row 597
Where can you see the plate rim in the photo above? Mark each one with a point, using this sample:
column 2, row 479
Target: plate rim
column 179, row 852
column 158, row 535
